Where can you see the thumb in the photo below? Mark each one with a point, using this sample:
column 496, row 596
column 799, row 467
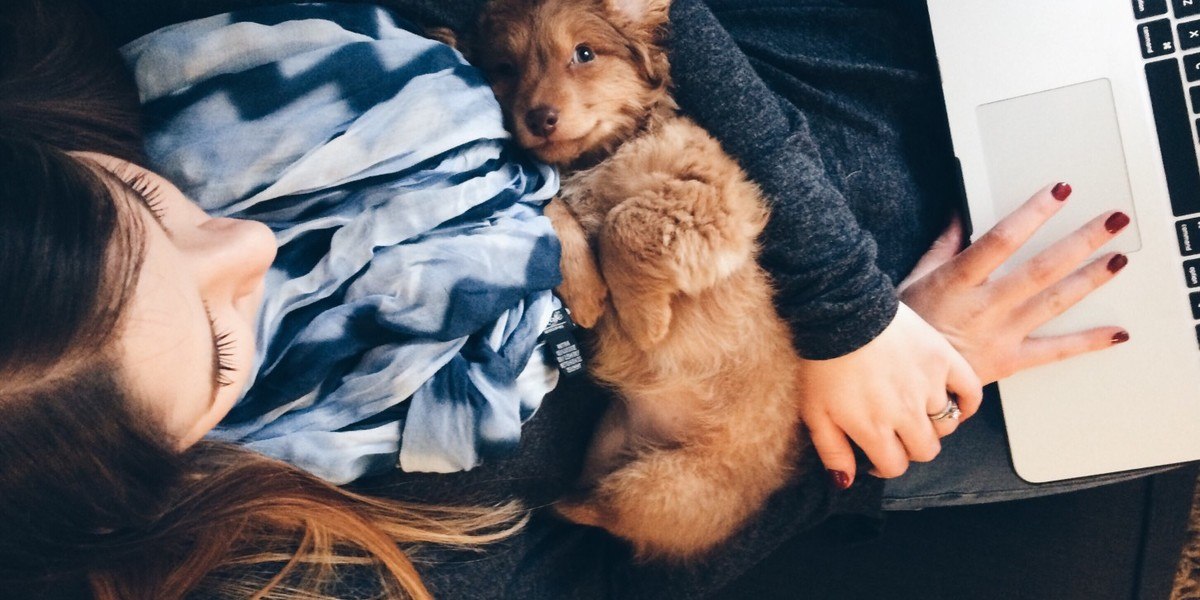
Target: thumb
column 835, row 451
column 944, row 248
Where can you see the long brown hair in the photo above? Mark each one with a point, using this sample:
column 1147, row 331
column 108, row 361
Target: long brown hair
column 89, row 485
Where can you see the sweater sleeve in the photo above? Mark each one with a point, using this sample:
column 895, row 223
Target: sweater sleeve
column 822, row 263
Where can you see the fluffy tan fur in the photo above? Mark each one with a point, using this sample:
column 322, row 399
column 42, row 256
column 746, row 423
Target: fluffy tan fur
column 659, row 230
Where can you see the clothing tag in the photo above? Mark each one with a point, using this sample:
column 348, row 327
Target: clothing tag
column 561, row 345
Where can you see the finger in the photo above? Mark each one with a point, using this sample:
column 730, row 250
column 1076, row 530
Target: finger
column 885, row 451
column 980, row 259
column 1045, row 350
column 948, row 244
column 965, row 385
column 1055, row 262
column 834, row 450
column 939, row 404
column 919, row 437
column 1069, row 291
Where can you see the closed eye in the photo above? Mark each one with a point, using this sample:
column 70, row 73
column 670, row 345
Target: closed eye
column 146, row 189
column 223, row 345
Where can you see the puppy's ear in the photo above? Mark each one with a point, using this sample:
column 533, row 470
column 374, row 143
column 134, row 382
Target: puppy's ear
column 444, row 35
column 647, row 13
column 648, row 29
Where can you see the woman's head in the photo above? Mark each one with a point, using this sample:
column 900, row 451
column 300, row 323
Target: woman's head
column 65, row 281
column 109, row 358
column 110, row 264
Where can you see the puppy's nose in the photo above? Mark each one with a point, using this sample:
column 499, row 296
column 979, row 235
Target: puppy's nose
column 542, row 120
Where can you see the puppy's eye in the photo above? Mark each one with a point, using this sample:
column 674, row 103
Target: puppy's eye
column 584, row 54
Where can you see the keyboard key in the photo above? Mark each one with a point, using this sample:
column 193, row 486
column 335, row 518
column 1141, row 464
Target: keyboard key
column 1175, row 137
column 1195, row 297
column 1191, row 272
column 1157, row 39
column 1149, row 8
column 1191, row 66
column 1186, row 8
column 1189, row 35
column 1195, row 94
column 1188, row 233
column 1198, row 334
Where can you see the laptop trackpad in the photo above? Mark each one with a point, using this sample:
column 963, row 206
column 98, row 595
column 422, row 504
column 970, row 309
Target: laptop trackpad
column 1066, row 134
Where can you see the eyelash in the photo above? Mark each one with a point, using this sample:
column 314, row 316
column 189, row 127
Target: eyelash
column 223, row 344
column 150, row 193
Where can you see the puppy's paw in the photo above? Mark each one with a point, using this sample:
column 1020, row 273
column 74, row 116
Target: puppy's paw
column 685, row 233
column 585, row 294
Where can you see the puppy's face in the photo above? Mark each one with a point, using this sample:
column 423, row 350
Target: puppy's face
column 575, row 77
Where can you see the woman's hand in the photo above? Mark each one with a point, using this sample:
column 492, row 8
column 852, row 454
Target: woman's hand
column 989, row 319
column 881, row 396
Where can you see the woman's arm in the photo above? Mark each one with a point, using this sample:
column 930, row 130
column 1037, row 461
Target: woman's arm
column 821, row 262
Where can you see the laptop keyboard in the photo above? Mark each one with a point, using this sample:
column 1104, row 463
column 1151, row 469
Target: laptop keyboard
column 1169, row 36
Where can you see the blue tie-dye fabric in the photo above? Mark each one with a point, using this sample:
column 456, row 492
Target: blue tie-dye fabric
column 401, row 316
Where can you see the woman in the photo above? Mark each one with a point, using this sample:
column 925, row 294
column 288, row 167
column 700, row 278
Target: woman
column 103, row 474
column 808, row 104
column 113, row 534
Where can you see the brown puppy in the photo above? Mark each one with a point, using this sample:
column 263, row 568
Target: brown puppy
column 659, row 231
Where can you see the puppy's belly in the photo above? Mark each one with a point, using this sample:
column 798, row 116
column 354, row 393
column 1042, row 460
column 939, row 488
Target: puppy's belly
column 634, row 422
column 663, row 417
column 724, row 345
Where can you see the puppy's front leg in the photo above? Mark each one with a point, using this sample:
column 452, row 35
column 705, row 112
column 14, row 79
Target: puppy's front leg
column 633, row 254
column 583, row 288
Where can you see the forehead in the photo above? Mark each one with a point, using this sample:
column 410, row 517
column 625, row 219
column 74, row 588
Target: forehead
column 128, row 247
column 115, row 174
column 522, row 27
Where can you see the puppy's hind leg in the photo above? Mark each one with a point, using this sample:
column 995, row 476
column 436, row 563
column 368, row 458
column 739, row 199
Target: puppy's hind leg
column 674, row 504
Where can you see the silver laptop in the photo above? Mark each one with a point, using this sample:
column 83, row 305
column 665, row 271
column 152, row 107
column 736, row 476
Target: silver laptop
column 1103, row 94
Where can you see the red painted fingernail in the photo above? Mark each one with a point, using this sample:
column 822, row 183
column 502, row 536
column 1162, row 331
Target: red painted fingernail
column 1061, row 191
column 840, row 479
column 1117, row 263
column 1116, row 222
column 1120, row 337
